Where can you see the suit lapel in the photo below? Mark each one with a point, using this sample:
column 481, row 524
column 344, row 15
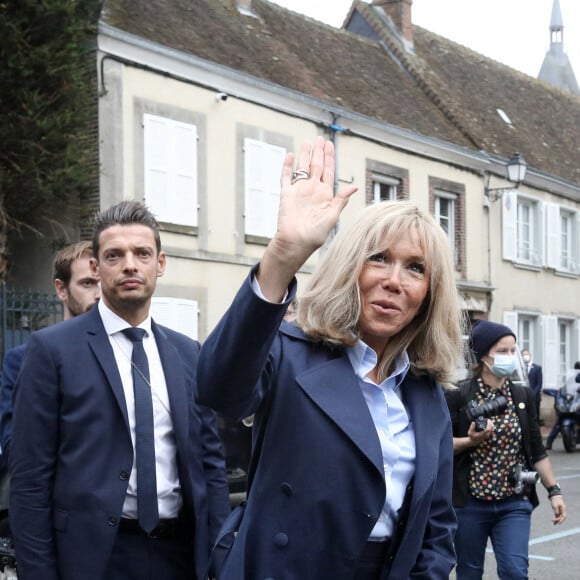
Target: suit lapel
column 101, row 347
column 335, row 389
column 174, row 371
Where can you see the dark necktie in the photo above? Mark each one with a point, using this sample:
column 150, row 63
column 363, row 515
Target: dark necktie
column 144, row 437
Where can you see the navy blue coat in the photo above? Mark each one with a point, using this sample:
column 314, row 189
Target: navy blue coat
column 10, row 369
column 71, row 450
column 318, row 486
column 535, row 379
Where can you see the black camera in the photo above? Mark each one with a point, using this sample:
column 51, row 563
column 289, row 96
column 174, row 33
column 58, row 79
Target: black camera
column 521, row 478
column 480, row 413
column 7, row 554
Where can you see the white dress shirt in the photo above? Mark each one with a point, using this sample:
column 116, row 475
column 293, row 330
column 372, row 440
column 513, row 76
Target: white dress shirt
column 168, row 487
column 394, row 429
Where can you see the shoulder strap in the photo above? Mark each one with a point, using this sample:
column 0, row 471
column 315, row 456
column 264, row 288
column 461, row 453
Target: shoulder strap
column 467, row 389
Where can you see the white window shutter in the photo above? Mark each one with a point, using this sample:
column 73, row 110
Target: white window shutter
column 157, row 164
column 509, row 220
column 262, row 168
column 184, row 205
column 178, row 314
column 510, row 319
column 171, row 170
column 550, row 366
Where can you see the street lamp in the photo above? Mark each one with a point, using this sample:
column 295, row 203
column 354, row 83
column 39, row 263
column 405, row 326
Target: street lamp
column 516, row 171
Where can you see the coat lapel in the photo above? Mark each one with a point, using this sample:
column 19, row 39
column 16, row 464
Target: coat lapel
column 335, row 389
column 425, row 413
column 174, row 372
column 101, row 347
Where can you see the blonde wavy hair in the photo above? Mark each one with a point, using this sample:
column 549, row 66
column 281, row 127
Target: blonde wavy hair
column 330, row 308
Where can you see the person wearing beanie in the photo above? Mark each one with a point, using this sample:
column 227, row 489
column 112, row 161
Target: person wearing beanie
column 498, row 451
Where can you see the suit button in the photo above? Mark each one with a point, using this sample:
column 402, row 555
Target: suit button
column 286, row 488
column 124, row 476
column 280, row 540
column 113, row 521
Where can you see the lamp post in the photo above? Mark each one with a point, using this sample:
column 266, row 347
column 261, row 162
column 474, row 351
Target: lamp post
column 516, row 171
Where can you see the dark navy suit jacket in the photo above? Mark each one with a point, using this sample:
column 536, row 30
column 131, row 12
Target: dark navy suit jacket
column 318, row 483
column 71, row 451
column 535, row 379
column 10, row 369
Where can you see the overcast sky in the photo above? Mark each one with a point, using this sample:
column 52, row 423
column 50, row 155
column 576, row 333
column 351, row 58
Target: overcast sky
column 515, row 32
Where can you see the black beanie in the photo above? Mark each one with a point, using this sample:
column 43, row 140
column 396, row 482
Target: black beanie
column 484, row 335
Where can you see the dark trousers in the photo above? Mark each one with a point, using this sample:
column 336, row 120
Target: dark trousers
column 371, row 564
column 138, row 557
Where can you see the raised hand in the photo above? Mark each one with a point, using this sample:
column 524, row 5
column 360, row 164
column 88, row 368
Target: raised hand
column 308, row 212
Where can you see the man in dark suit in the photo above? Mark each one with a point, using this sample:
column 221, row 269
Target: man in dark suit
column 78, row 289
column 535, row 380
column 106, row 418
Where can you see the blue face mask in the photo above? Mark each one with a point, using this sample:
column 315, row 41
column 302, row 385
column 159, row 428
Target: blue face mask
column 504, row 365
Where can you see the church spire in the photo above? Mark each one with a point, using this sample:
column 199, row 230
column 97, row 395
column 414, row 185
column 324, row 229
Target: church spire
column 556, row 68
column 557, row 28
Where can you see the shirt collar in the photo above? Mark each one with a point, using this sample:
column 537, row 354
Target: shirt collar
column 363, row 359
column 113, row 323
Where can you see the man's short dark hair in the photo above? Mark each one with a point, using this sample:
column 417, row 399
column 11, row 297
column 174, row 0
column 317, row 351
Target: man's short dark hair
column 66, row 256
column 125, row 213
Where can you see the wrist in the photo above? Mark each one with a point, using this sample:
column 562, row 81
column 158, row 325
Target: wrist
column 554, row 490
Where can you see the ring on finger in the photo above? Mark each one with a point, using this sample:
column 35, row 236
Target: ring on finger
column 298, row 178
column 300, row 174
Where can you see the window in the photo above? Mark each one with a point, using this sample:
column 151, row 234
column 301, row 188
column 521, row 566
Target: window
column 564, row 348
column 522, row 229
column 171, row 170
column 525, row 231
column 527, row 331
column 561, row 338
column 566, row 241
column 445, row 216
column 178, row 314
column 447, row 204
column 262, row 167
column 385, row 182
column 384, row 188
column 562, row 238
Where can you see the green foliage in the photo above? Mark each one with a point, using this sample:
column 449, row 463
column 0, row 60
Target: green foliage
column 45, row 108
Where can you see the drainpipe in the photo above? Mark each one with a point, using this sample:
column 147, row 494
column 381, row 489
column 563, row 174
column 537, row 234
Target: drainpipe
column 334, row 129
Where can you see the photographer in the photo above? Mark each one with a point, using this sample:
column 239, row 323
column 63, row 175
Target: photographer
column 498, row 457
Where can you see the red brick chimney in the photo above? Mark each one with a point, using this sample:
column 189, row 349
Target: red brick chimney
column 399, row 11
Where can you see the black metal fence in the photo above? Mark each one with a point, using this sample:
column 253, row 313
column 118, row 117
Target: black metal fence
column 24, row 311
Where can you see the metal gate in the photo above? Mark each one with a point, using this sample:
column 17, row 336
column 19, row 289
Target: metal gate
column 24, row 311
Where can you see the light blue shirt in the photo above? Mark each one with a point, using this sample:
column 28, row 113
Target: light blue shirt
column 394, row 429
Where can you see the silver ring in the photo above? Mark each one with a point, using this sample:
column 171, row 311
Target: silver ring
column 300, row 174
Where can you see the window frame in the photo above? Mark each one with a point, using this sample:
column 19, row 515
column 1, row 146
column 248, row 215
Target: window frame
column 383, row 180
column 513, row 248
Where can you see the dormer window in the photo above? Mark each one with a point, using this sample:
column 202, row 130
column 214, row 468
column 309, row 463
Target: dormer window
column 504, row 117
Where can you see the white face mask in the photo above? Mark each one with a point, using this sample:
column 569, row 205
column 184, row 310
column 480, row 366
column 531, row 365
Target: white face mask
column 504, row 365
column 527, row 358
